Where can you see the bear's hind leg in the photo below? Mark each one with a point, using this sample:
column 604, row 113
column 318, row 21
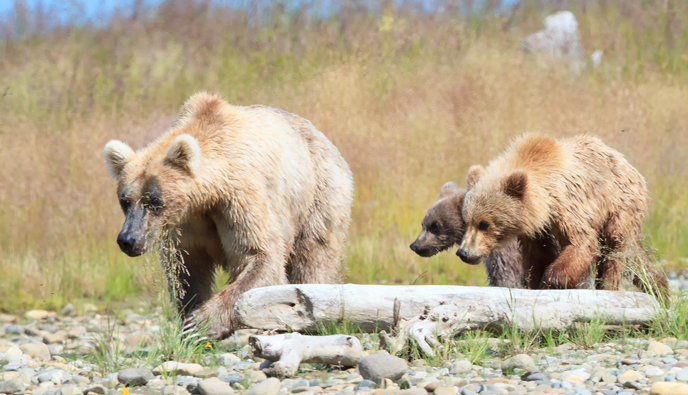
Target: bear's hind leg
column 314, row 261
column 625, row 251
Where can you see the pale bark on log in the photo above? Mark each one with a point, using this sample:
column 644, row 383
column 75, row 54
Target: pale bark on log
column 299, row 307
column 287, row 351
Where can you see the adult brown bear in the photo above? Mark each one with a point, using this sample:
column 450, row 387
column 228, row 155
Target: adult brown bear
column 255, row 190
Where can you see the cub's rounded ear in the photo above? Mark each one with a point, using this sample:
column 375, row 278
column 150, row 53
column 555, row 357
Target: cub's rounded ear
column 448, row 189
column 474, row 174
column 515, row 184
column 185, row 152
column 117, row 155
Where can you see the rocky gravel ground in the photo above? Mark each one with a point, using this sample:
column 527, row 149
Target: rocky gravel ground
column 51, row 353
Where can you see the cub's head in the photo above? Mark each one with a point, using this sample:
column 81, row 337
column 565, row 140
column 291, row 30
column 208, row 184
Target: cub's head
column 443, row 225
column 493, row 209
column 154, row 187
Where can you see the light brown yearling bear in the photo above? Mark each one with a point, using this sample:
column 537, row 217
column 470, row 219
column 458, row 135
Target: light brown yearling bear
column 255, row 190
column 577, row 191
column 443, row 227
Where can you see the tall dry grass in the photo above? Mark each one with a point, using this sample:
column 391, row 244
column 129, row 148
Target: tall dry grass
column 412, row 98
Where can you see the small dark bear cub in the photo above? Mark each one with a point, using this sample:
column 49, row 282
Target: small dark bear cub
column 444, row 227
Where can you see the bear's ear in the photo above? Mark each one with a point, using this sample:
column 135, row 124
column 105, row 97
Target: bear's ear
column 117, row 155
column 185, row 153
column 447, row 189
column 515, row 184
column 474, row 174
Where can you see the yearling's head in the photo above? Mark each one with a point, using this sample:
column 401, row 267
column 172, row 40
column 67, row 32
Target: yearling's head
column 443, row 225
column 153, row 187
column 492, row 209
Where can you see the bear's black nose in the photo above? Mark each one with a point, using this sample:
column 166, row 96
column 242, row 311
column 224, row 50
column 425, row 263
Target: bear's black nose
column 463, row 254
column 414, row 248
column 126, row 243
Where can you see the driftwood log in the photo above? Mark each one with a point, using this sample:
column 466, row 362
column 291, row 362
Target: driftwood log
column 425, row 312
column 287, row 351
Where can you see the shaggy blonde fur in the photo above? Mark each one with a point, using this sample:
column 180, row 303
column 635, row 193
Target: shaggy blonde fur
column 255, row 190
column 577, row 192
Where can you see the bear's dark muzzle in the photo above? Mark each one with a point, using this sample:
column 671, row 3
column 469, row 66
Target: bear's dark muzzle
column 128, row 245
column 471, row 260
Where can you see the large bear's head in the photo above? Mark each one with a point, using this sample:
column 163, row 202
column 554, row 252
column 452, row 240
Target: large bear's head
column 443, row 225
column 153, row 186
column 493, row 209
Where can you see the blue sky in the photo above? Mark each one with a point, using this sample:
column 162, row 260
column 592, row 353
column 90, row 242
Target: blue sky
column 100, row 10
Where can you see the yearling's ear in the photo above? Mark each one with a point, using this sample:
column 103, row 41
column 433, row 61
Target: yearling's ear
column 460, row 195
column 474, row 174
column 515, row 184
column 185, row 152
column 117, row 155
column 447, row 189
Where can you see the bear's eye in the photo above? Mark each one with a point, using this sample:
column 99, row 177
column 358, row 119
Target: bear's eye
column 483, row 225
column 434, row 227
column 124, row 203
column 151, row 203
column 155, row 203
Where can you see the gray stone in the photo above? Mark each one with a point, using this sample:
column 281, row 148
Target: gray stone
column 134, row 377
column 535, row 377
column 228, row 359
column 212, row 387
column 300, row 386
column 632, row 384
column 270, row 386
column 520, row 361
column 468, row 392
column 382, row 366
column 14, row 329
column 67, row 310
column 652, row 372
column 460, row 367
column 232, row 378
column 365, row 384
column 14, row 386
column 98, row 389
column 54, row 376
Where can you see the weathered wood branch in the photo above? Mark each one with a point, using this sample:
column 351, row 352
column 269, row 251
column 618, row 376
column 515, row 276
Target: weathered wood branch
column 300, row 307
column 287, row 351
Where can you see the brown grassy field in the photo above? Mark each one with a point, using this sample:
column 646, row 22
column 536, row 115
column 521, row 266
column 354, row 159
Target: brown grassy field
column 410, row 98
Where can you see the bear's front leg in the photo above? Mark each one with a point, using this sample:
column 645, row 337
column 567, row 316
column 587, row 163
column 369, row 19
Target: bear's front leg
column 569, row 268
column 216, row 315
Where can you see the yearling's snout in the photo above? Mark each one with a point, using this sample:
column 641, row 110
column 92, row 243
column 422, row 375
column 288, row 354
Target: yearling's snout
column 463, row 254
column 414, row 247
column 471, row 260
